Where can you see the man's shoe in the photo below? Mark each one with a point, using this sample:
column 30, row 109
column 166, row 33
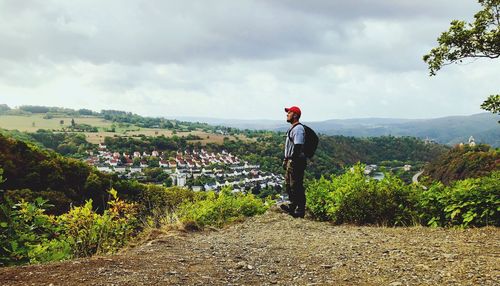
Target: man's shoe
column 285, row 208
column 298, row 214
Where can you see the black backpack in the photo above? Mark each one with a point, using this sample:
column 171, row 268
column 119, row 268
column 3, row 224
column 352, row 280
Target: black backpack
column 311, row 141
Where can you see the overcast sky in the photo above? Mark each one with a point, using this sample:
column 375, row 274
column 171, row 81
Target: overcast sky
column 238, row 59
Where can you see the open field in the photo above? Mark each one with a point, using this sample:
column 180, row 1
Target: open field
column 34, row 122
column 207, row 138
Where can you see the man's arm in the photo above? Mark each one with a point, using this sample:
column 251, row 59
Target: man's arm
column 297, row 150
column 299, row 139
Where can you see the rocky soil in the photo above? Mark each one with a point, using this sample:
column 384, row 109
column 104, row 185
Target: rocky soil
column 275, row 249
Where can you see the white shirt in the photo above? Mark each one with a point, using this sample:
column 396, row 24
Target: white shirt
column 297, row 133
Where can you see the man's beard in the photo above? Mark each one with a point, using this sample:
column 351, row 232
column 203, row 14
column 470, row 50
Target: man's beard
column 289, row 120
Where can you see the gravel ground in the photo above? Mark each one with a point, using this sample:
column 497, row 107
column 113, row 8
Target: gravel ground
column 275, row 249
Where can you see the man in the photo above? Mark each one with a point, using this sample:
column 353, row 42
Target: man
column 295, row 164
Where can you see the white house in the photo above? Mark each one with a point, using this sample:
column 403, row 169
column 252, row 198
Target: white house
column 135, row 170
column 104, row 169
column 113, row 162
column 120, row 169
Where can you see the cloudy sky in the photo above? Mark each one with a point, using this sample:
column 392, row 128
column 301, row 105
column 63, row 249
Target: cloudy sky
column 238, row 59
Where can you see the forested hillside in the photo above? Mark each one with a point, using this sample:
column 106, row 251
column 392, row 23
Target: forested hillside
column 30, row 172
column 463, row 162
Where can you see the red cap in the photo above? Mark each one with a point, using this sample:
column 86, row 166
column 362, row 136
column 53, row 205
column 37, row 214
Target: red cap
column 294, row 109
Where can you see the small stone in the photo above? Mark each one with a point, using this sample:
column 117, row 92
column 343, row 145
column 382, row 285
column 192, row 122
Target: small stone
column 249, row 267
column 240, row 265
column 397, row 283
column 422, row 266
column 326, row 266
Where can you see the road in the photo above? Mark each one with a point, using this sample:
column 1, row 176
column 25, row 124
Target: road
column 415, row 178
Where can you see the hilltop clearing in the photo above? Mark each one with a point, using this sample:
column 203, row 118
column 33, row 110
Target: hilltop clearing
column 274, row 249
column 108, row 128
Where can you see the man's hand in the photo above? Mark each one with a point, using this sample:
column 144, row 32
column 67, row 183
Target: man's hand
column 285, row 161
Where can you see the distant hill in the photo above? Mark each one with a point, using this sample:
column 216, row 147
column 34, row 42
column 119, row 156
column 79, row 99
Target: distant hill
column 463, row 162
column 449, row 130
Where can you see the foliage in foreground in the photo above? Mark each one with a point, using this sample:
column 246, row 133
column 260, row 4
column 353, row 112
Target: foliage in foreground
column 354, row 198
column 469, row 202
column 220, row 209
column 28, row 235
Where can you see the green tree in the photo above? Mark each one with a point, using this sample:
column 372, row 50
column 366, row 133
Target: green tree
column 480, row 39
column 4, row 108
column 492, row 104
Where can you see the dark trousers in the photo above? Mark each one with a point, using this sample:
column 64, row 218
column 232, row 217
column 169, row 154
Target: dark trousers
column 294, row 184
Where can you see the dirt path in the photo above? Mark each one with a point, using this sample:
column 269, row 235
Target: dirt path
column 275, row 249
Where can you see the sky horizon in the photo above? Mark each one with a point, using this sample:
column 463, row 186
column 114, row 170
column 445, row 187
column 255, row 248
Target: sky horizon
column 239, row 59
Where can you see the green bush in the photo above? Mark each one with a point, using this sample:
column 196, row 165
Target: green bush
column 469, row 202
column 219, row 209
column 159, row 202
column 28, row 235
column 355, row 198
column 89, row 232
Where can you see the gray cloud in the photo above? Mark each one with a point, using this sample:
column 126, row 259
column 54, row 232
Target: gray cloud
column 242, row 59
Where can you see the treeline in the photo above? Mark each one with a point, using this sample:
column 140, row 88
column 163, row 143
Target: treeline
column 130, row 118
column 144, row 143
column 68, row 144
column 463, row 161
column 51, row 110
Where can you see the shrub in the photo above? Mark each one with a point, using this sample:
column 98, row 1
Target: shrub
column 27, row 234
column 469, row 202
column 90, row 233
column 219, row 209
column 159, row 202
column 355, row 198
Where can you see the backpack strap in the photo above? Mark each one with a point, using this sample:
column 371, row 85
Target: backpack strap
column 290, row 130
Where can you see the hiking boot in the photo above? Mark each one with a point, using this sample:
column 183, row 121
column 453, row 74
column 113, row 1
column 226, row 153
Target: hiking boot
column 289, row 209
column 298, row 214
column 285, row 208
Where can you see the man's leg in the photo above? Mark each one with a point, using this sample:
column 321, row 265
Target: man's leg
column 289, row 183
column 300, row 195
